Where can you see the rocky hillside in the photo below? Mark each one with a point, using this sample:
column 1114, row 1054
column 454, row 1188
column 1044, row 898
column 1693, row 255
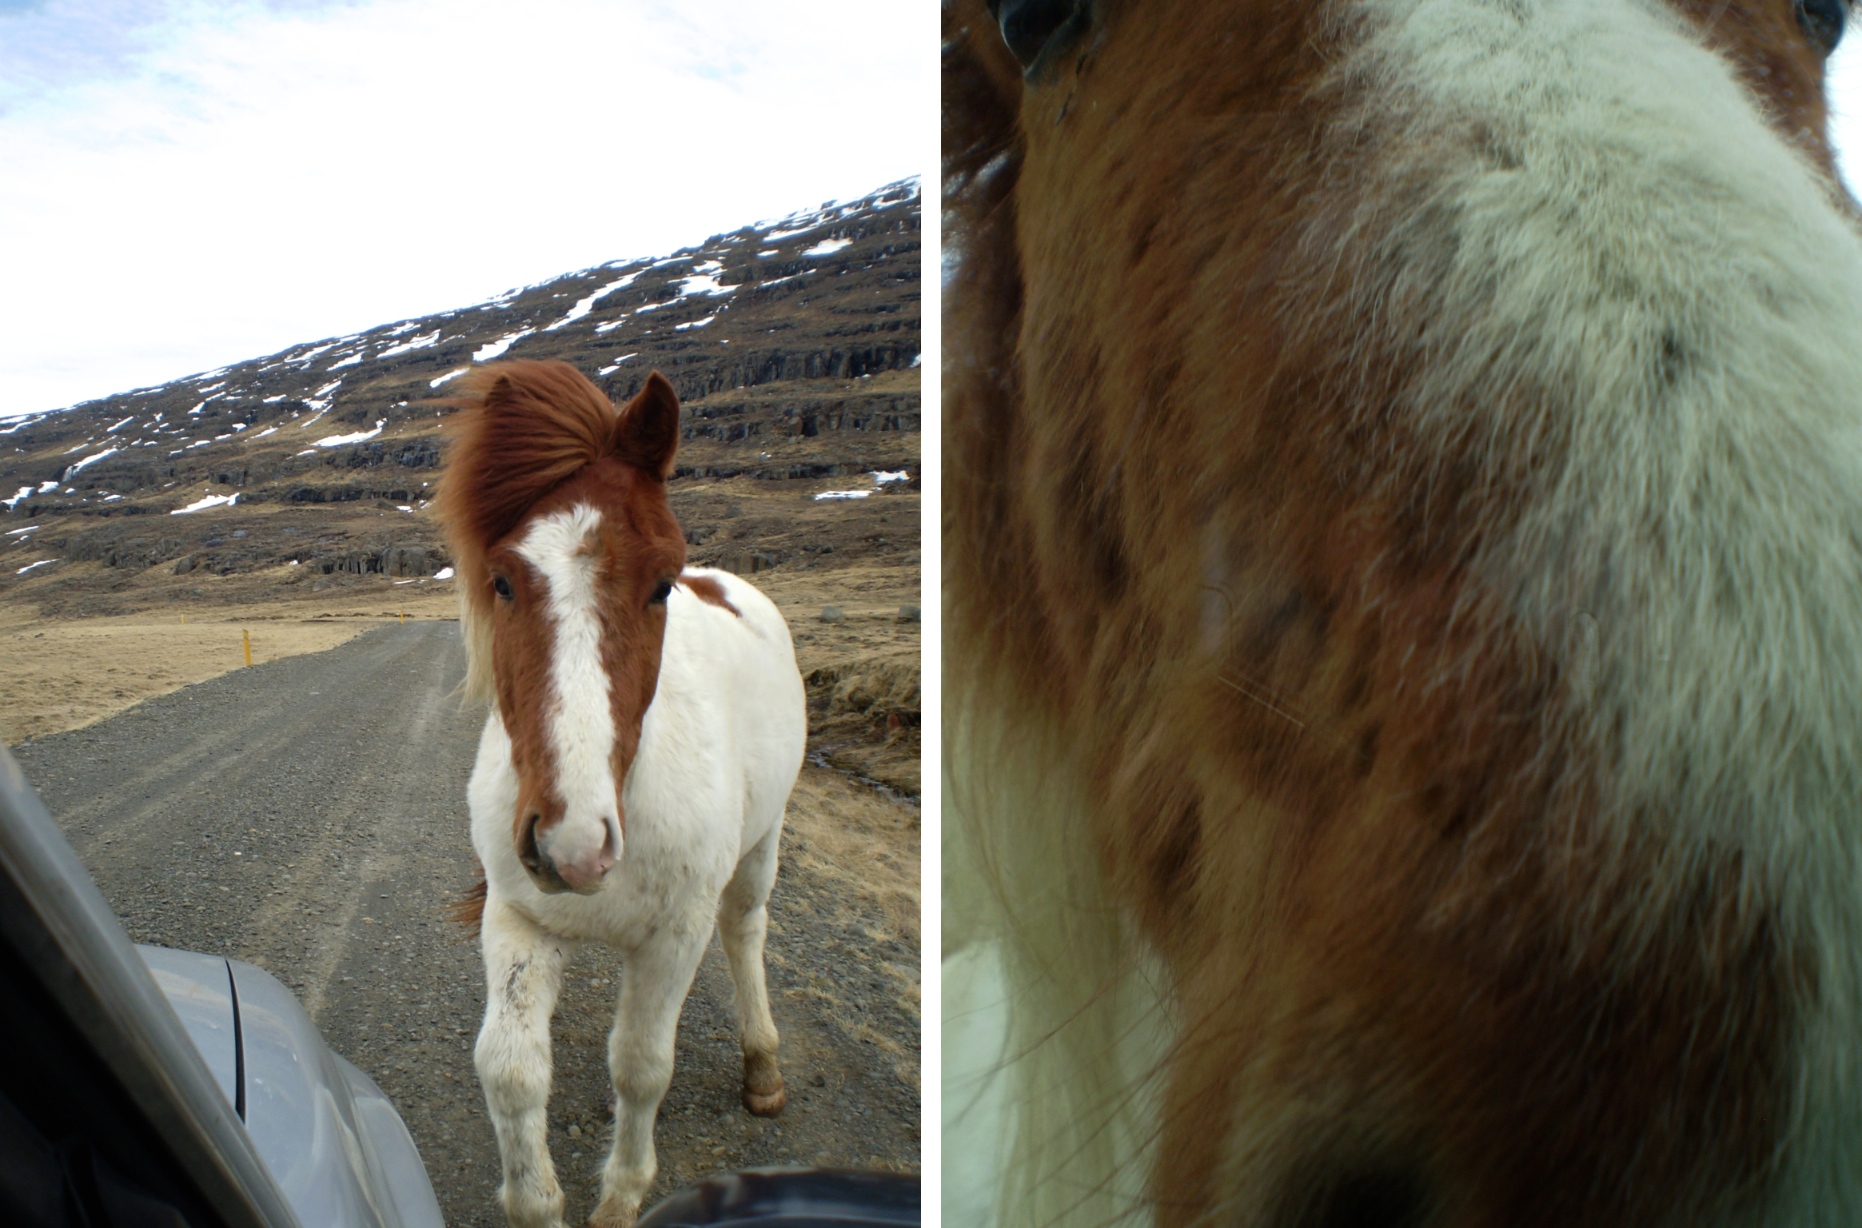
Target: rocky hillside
column 794, row 346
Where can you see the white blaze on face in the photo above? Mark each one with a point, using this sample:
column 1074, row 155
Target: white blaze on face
column 578, row 717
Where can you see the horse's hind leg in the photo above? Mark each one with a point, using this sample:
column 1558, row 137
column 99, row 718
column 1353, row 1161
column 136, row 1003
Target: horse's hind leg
column 743, row 924
column 523, row 970
column 654, row 981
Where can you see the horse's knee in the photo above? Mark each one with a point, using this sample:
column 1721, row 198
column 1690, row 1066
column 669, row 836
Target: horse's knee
column 515, row 1074
column 642, row 1078
column 741, row 908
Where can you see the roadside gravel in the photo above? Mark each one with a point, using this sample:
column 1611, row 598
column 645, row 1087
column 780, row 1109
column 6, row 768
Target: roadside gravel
column 308, row 815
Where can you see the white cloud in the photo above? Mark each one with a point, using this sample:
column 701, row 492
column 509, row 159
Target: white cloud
column 245, row 175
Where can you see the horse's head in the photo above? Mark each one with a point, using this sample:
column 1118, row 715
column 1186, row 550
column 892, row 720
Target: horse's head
column 566, row 550
column 1392, row 449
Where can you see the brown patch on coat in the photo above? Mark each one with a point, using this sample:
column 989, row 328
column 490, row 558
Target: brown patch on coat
column 538, row 438
column 468, row 911
column 709, row 591
column 1352, row 801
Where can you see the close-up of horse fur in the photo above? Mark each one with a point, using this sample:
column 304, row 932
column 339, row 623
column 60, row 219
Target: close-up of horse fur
column 1402, row 530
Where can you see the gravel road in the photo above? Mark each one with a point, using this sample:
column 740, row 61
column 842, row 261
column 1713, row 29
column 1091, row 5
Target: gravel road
column 308, row 815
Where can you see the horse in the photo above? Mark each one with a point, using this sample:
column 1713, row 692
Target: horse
column 647, row 725
column 1402, row 530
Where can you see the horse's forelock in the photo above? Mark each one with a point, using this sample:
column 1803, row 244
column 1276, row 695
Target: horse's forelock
column 526, row 428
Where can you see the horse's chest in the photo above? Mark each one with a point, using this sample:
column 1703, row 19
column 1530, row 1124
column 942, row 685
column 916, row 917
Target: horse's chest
column 658, row 876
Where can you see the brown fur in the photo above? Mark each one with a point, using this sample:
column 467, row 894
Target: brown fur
column 538, row 438
column 708, row 591
column 468, row 911
column 1351, row 801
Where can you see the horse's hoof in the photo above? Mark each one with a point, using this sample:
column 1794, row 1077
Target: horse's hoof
column 763, row 1093
column 614, row 1214
column 766, row 1104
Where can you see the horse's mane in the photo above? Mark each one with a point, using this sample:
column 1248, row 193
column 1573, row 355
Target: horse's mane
column 982, row 153
column 982, row 161
column 1083, row 1028
column 527, row 427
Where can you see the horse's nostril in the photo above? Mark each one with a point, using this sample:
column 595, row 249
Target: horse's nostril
column 527, row 842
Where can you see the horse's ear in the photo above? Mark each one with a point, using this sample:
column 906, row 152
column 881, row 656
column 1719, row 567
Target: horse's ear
column 648, row 432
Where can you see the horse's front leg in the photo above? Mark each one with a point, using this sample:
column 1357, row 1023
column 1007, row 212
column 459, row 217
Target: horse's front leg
column 523, row 971
column 743, row 924
column 654, row 982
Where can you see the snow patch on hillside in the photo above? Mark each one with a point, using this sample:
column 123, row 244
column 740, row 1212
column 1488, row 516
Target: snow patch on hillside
column 337, row 441
column 584, row 306
column 202, row 504
column 89, row 460
column 415, row 343
column 492, row 349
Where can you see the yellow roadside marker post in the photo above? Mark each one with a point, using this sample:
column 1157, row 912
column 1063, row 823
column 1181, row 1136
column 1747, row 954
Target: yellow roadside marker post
column 247, row 637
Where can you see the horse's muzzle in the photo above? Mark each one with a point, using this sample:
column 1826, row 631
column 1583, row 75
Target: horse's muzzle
column 552, row 873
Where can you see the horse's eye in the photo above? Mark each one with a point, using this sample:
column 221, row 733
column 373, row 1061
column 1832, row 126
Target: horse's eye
column 503, row 587
column 1037, row 29
column 1822, row 21
column 660, row 593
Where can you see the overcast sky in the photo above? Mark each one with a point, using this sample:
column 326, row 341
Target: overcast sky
column 1845, row 91
column 189, row 183
column 185, row 184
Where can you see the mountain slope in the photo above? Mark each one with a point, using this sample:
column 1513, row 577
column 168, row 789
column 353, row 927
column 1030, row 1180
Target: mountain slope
column 793, row 344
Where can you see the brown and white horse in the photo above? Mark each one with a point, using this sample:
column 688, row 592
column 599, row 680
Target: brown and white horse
column 1403, row 546
column 647, row 726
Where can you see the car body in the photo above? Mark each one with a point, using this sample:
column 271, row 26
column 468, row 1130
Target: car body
column 333, row 1142
column 149, row 1086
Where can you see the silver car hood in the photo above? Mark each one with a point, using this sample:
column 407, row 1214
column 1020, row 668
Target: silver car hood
column 333, row 1142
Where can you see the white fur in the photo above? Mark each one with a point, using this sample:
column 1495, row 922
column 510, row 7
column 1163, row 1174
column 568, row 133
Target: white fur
column 581, row 718
column 720, row 747
column 1701, row 554
column 1075, row 1071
